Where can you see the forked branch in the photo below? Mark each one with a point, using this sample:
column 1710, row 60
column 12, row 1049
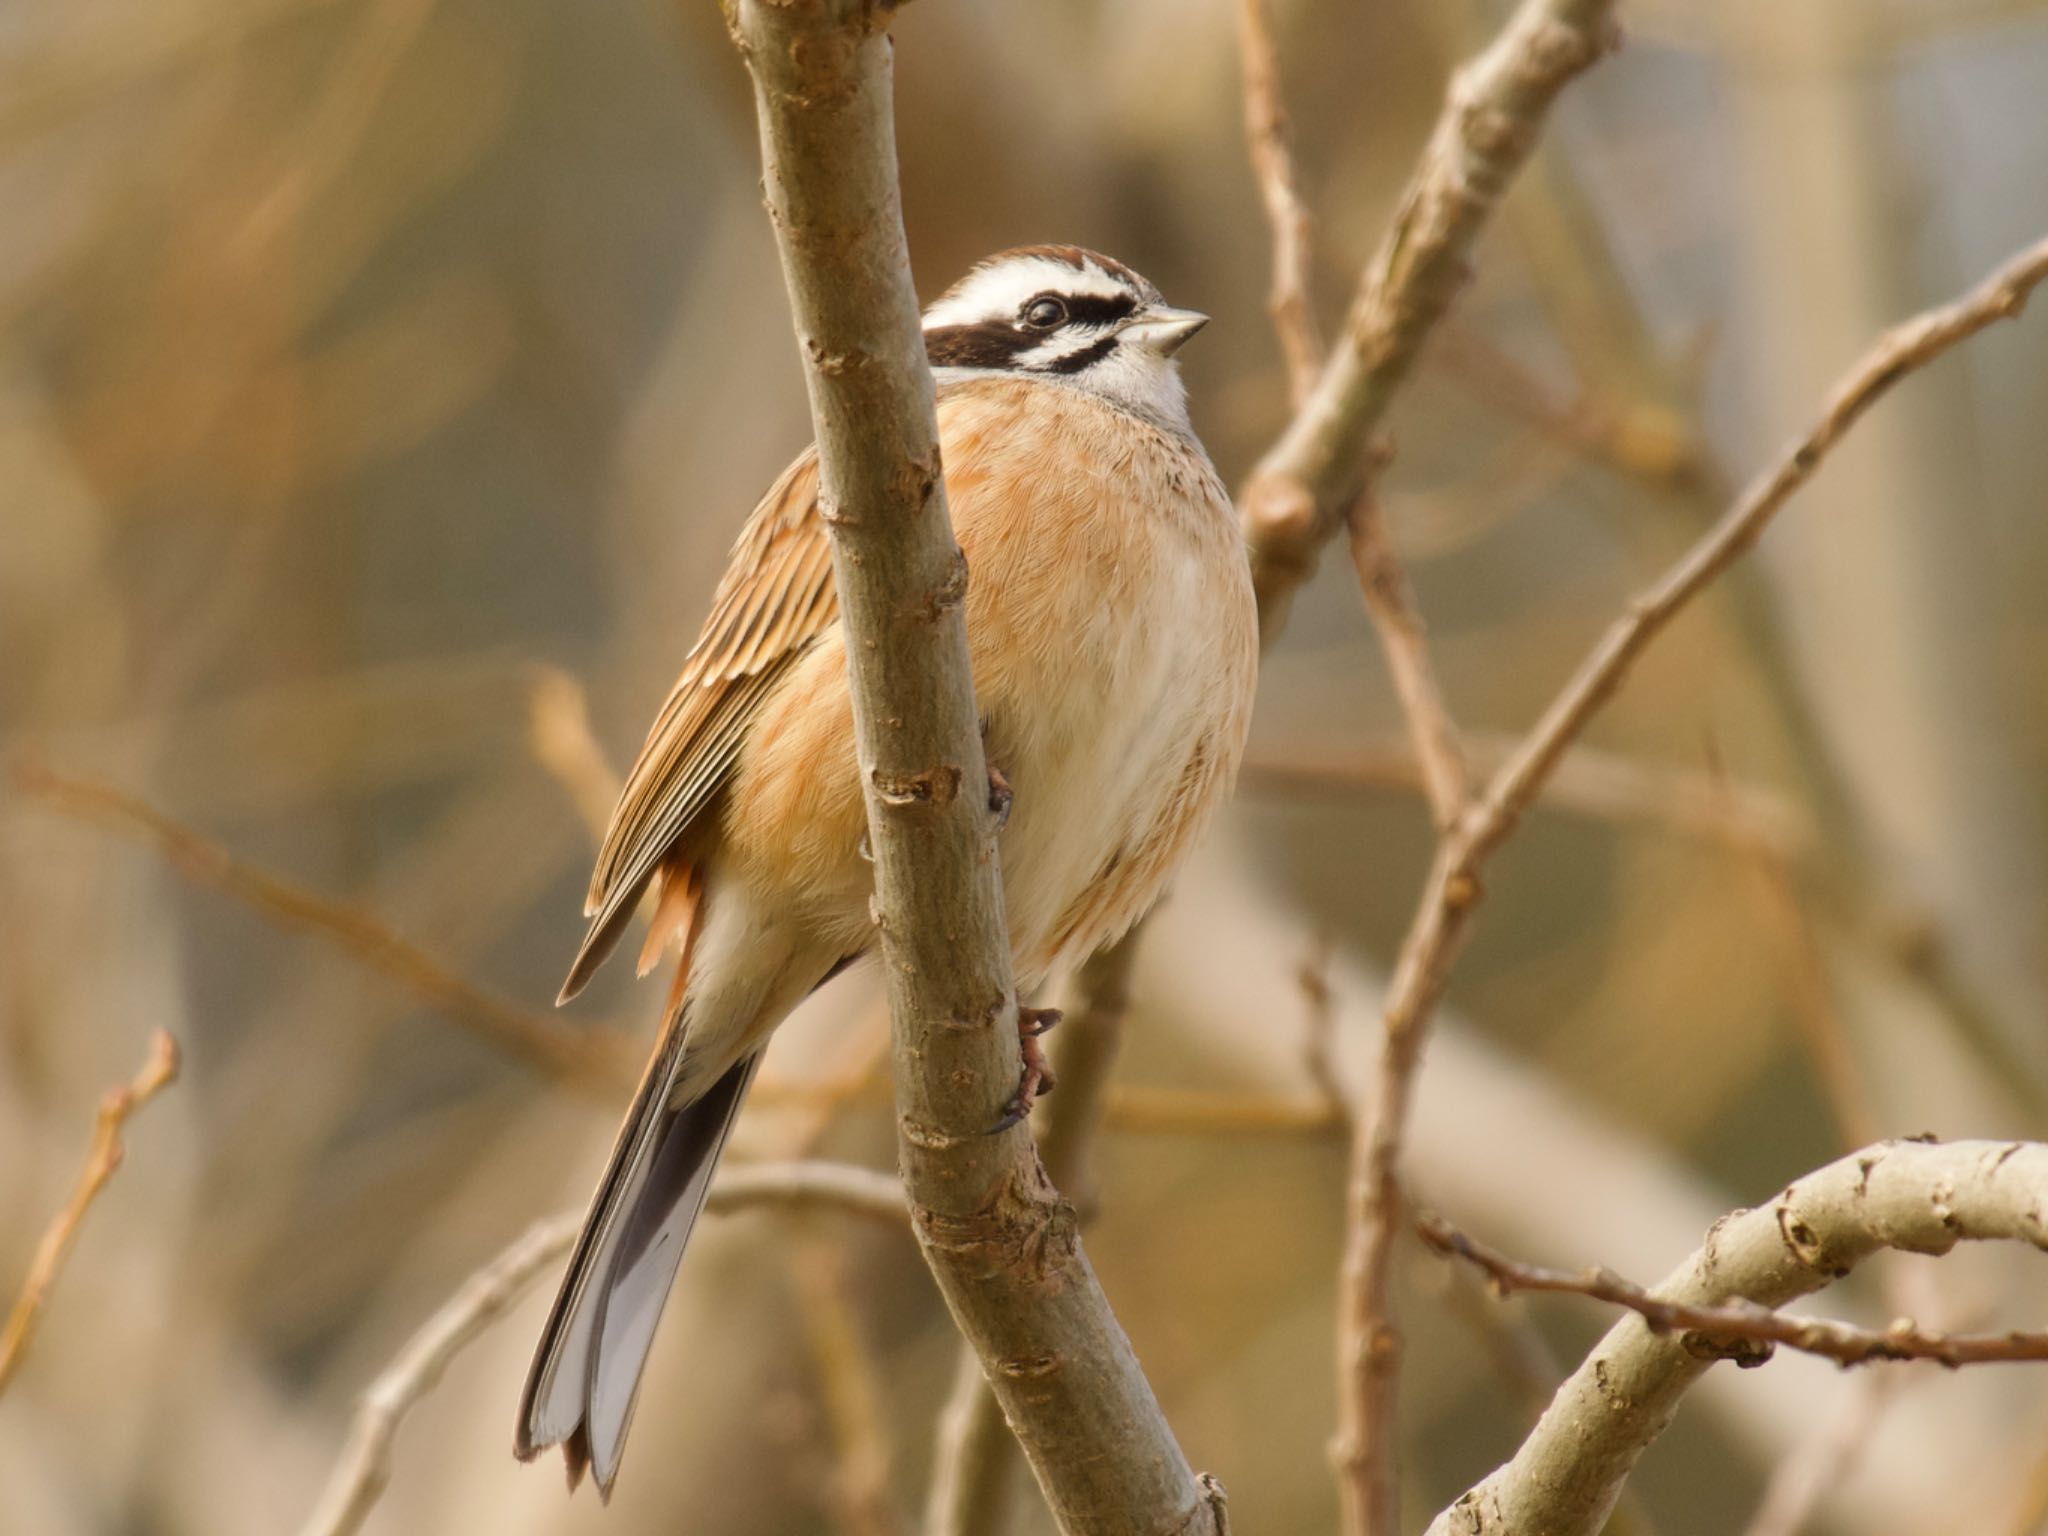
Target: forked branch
column 1916, row 1196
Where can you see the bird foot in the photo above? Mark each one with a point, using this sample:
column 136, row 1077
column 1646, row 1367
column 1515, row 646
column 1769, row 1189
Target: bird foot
column 1000, row 795
column 1037, row 1078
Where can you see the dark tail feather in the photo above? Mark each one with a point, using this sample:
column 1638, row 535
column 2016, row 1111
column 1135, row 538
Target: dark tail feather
column 586, row 1375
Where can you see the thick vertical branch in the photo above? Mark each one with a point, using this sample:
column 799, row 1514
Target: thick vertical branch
column 1003, row 1245
column 974, row 1472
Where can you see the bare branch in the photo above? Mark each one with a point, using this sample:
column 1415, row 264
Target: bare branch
column 1801, row 1479
column 1915, row 1196
column 100, row 1162
column 1740, row 1331
column 974, row 1471
column 1002, row 1244
column 1301, row 490
column 1272, row 155
column 857, row 1495
column 1907, row 347
column 1391, row 606
column 1588, row 782
column 364, row 1470
column 589, row 1060
column 1309, row 482
column 1369, row 1355
column 558, row 729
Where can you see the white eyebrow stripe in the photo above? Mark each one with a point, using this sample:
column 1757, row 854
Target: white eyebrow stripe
column 1000, row 291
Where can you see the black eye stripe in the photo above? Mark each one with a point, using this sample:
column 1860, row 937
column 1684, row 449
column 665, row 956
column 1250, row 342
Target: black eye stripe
column 1099, row 309
column 990, row 344
column 1074, row 362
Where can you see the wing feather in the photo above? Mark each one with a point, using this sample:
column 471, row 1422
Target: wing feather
column 774, row 600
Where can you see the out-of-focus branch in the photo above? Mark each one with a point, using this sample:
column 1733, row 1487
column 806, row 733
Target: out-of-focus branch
column 558, row 729
column 974, row 1472
column 1591, row 783
column 1390, row 605
column 1907, row 347
column 1920, row 1197
column 1302, row 489
column 1002, row 1244
column 100, row 1162
column 360, row 1477
column 1272, row 154
column 1369, row 1356
column 1741, row 1330
column 1798, row 1482
column 857, row 1492
column 1307, row 485
column 590, row 1061
column 362, row 1474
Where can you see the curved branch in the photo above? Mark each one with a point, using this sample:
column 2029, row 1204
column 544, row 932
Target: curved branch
column 1443, row 920
column 1916, row 1196
column 360, row 1477
column 1002, row 1244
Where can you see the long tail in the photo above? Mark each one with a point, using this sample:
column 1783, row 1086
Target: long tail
column 586, row 1374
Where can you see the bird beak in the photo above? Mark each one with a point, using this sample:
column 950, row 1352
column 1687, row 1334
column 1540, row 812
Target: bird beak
column 1164, row 330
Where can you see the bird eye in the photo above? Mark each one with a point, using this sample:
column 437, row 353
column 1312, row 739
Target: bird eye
column 1044, row 312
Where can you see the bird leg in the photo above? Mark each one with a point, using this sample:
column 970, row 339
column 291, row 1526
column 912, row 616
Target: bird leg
column 1037, row 1078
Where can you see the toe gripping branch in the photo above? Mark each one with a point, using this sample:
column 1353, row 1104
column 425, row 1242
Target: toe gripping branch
column 1037, row 1079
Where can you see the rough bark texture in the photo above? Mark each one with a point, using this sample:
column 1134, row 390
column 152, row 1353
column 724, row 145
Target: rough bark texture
column 1003, row 1245
column 1920, row 1197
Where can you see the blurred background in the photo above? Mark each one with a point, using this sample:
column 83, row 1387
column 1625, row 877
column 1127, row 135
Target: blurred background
column 382, row 381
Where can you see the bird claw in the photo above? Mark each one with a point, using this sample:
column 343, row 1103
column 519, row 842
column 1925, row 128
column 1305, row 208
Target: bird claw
column 1033, row 1022
column 1037, row 1078
column 999, row 796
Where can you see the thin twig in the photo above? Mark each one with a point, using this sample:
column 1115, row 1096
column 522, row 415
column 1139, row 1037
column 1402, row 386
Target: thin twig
column 1319, row 1038
column 589, row 1060
column 100, row 1162
column 999, row 1240
column 1588, row 782
column 1306, row 485
column 1822, row 1462
column 1272, row 156
column 364, row 1470
column 1811, row 994
column 1914, row 1196
column 1740, row 1331
column 857, row 1492
column 1390, row 604
column 1907, row 347
column 558, row 730
column 1369, row 1356
column 1647, row 441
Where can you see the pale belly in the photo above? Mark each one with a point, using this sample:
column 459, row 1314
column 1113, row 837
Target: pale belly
column 1119, row 748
